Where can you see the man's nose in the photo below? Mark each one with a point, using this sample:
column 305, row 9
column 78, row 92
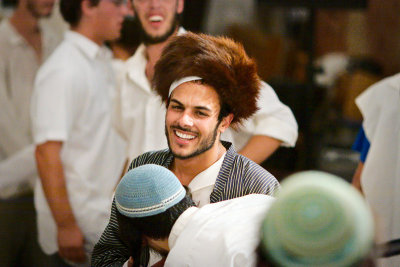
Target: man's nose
column 186, row 120
column 155, row 3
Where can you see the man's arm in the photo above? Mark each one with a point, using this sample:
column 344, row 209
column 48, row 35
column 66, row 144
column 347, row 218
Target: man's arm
column 12, row 176
column 110, row 249
column 12, row 138
column 271, row 126
column 356, row 182
column 69, row 237
column 260, row 147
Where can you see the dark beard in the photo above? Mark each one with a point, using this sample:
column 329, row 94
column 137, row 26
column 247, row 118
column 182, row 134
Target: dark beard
column 204, row 145
column 150, row 40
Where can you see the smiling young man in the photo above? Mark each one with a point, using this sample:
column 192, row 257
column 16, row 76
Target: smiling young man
column 207, row 84
column 142, row 123
column 78, row 153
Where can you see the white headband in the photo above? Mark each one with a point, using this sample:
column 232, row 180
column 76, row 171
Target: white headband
column 180, row 81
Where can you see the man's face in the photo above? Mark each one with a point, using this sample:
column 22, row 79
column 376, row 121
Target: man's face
column 191, row 122
column 159, row 246
column 40, row 8
column 158, row 18
column 108, row 18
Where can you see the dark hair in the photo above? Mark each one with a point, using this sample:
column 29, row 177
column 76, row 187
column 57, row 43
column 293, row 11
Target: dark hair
column 71, row 10
column 156, row 226
column 220, row 62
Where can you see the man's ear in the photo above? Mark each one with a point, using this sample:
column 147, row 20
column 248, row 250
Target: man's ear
column 181, row 4
column 87, row 8
column 225, row 122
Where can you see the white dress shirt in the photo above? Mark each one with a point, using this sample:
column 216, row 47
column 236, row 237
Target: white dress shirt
column 202, row 185
column 200, row 188
column 225, row 234
column 380, row 178
column 18, row 66
column 140, row 114
column 72, row 104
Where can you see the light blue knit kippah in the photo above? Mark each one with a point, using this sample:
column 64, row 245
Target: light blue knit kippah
column 148, row 190
column 319, row 220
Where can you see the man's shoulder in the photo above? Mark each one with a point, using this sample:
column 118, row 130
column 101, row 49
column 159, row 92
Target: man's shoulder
column 158, row 157
column 66, row 60
column 7, row 35
column 236, row 160
column 252, row 178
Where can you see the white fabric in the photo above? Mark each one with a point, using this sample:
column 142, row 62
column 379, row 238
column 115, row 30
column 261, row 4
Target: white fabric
column 380, row 178
column 200, row 188
column 273, row 119
column 72, row 103
column 180, row 81
column 202, row 185
column 18, row 173
column 140, row 114
column 18, row 66
column 219, row 234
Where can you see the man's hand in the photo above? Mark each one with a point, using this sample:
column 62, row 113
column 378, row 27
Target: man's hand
column 69, row 236
column 70, row 244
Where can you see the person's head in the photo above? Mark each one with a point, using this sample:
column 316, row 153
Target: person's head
column 104, row 18
column 149, row 200
column 159, row 19
column 207, row 83
column 317, row 220
column 37, row 8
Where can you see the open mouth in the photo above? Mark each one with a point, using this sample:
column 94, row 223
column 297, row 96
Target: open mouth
column 184, row 136
column 156, row 18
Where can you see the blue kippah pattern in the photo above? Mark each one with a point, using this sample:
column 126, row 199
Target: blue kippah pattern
column 148, row 190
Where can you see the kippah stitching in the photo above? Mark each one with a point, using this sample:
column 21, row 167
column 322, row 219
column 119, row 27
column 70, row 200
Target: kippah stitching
column 154, row 207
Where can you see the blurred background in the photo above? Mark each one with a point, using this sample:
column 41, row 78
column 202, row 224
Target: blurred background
column 318, row 55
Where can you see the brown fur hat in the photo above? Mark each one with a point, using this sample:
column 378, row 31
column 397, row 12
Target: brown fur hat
column 220, row 62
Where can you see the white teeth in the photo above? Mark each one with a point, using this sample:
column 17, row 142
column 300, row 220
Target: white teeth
column 184, row 136
column 156, row 18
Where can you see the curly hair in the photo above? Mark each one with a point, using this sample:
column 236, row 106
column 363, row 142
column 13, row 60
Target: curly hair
column 221, row 63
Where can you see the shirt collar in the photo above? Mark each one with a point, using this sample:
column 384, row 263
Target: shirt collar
column 90, row 48
column 15, row 37
column 136, row 65
column 179, row 225
column 206, row 177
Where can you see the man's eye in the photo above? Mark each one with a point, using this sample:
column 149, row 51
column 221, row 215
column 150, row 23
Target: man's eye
column 200, row 113
column 176, row 107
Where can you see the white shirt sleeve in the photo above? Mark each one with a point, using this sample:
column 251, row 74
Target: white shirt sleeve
column 273, row 119
column 11, row 138
column 60, row 93
column 12, row 175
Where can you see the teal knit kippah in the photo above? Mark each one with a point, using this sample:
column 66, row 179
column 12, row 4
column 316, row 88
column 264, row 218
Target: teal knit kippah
column 318, row 219
column 148, row 190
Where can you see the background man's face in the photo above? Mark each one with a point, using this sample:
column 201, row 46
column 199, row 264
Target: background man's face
column 158, row 18
column 109, row 16
column 191, row 122
column 40, row 8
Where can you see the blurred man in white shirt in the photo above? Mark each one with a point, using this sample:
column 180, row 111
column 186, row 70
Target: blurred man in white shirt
column 25, row 43
column 78, row 153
